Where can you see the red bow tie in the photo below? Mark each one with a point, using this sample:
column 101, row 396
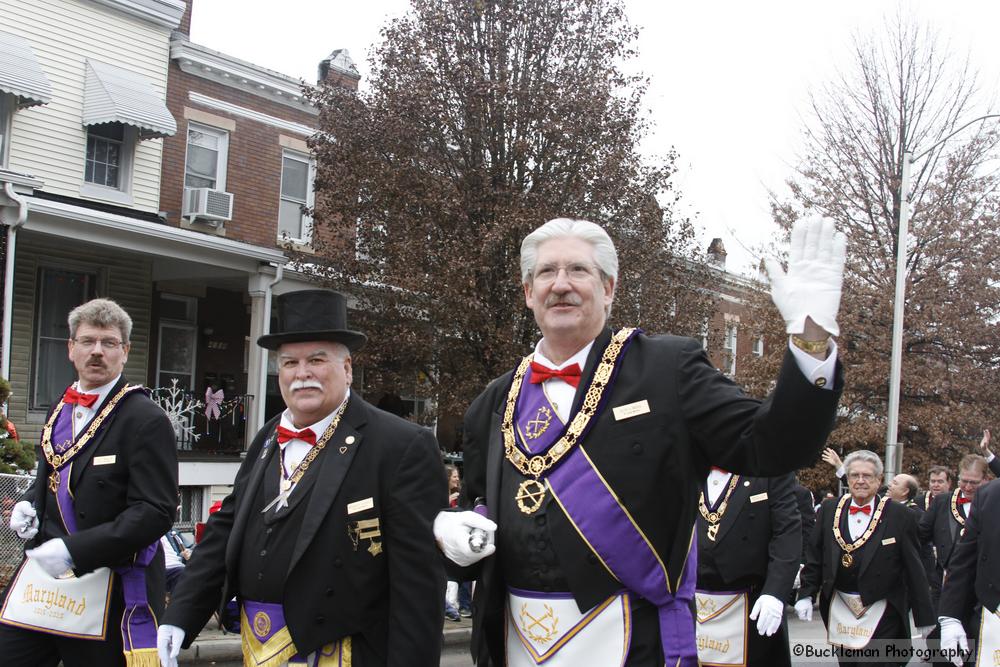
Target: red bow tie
column 867, row 509
column 718, row 469
column 962, row 500
column 74, row 396
column 570, row 374
column 305, row 435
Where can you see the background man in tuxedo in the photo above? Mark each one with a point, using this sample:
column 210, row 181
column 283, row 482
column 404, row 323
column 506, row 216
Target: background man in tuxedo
column 104, row 493
column 749, row 540
column 971, row 595
column 864, row 553
column 326, row 537
column 578, row 522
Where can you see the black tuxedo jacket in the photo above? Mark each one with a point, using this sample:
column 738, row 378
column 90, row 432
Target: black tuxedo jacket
column 332, row 590
column 887, row 571
column 654, row 462
column 121, row 507
column 939, row 527
column 807, row 510
column 974, row 569
column 994, row 465
column 759, row 536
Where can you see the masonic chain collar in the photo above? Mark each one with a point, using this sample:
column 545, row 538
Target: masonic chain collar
column 847, row 559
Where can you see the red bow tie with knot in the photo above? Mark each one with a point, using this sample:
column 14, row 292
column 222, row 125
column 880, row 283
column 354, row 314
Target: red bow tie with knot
column 78, row 398
column 867, row 509
column 570, row 374
column 962, row 500
column 305, row 435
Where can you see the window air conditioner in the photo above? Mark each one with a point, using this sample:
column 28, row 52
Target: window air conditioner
column 208, row 204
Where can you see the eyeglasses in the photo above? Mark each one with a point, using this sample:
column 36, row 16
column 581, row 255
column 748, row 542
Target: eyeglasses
column 860, row 476
column 970, row 482
column 576, row 273
column 88, row 343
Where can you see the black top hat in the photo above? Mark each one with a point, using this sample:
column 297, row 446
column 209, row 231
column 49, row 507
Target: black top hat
column 312, row 314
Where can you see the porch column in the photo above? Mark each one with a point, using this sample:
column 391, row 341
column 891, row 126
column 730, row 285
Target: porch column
column 259, row 289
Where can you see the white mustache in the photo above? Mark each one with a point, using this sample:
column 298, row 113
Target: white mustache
column 568, row 298
column 305, row 384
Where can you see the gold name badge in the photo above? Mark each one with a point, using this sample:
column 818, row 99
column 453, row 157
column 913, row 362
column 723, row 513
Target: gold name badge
column 105, row 460
column 360, row 505
column 758, row 497
column 631, row 410
column 889, row 540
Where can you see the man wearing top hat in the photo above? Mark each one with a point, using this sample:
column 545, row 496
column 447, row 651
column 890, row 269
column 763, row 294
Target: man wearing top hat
column 326, row 538
column 588, row 456
column 104, row 493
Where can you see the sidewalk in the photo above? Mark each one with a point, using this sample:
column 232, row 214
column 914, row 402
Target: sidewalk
column 214, row 645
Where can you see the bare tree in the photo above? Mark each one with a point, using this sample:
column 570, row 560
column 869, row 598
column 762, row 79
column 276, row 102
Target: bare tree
column 906, row 92
column 480, row 121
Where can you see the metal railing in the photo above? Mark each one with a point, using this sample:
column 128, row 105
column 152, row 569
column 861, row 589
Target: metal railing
column 11, row 546
column 221, row 430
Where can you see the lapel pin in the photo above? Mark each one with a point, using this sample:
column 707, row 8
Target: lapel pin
column 343, row 450
column 349, row 440
column 746, row 482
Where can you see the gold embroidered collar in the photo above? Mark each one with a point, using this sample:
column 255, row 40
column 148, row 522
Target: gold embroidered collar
column 536, row 466
column 955, row 511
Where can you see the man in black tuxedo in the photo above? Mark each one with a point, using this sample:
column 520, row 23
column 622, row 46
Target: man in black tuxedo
column 864, row 557
column 943, row 522
column 589, row 454
column 749, row 545
column 104, row 492
column 939, row 480
column 970, row 599
column 326, row 537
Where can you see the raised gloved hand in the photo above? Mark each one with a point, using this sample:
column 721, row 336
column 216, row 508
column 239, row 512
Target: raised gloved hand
column 804, row 609
column 811, row 287
column 53, row 557
column 24, row 520
column 168, row 644
column 953, row 639
column 454, row 534
column 768, row 612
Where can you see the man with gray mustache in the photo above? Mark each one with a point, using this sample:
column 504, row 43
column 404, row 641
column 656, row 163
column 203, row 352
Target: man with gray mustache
column 588, row 456
column 326, row 537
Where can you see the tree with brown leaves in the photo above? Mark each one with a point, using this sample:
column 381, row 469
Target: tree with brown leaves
column 906, row 92
column 480, row 121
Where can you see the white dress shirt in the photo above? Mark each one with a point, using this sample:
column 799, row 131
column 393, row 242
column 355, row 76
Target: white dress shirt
column 295, row 450
column 82, row 416
column 559, row 392
column 718, row 481
column 857, row 523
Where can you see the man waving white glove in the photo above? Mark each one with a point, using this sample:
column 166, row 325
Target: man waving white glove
column 811, row 286
column 464, row 537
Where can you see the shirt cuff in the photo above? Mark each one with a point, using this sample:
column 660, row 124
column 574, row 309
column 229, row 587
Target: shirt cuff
column 818, row 372
column 989, row 459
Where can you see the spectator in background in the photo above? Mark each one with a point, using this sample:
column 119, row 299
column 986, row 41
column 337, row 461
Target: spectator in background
column 939, row 480
column 984, row 449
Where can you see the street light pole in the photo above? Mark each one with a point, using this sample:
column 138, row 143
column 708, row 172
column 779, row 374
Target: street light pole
column 894, row 448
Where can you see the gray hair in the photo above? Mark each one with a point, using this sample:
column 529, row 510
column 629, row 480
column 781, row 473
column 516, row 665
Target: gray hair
column 101, row 313
column 605, row 254
column 864, row 455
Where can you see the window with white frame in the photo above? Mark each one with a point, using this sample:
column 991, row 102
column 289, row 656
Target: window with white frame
column 58, row 290
column 107, row 167
column 207, row 152
column 296, row 195
column 729, row 349
column 758, row 346
column 6, row 113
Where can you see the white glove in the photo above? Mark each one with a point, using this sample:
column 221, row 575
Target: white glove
column 168, row 644
column 953, row 639
column 811, row 288
column 53, row 557
column 24, row 520
column 770, row 611
column 804, row 609
column 453, row 531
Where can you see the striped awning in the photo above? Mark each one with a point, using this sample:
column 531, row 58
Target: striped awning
column 116, row 95
column 20, row 72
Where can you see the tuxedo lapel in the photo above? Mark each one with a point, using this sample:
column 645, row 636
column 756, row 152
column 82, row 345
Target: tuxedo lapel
column 737, row 501
column 874, row 542
column 334, row 462
column 245, row 506
column 87, row 453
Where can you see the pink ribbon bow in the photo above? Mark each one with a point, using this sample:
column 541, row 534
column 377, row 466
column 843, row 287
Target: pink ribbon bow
column 213, row 399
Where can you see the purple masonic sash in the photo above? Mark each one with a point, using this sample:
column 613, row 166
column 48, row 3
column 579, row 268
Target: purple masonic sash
column 138, row 625
column 614, row 537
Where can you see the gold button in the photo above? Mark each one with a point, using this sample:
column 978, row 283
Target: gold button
column 820, row 382
column 349, row 439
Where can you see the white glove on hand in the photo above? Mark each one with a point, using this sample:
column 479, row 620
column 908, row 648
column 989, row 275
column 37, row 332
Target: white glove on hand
column 804, row 609
column 770, row 611
column 24, row 520
column 53, row 557
column 811, row 288
column 452, row 531
column 168, row 644
column 953, row 639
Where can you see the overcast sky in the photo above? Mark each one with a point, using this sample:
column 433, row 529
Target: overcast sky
column 729, row 79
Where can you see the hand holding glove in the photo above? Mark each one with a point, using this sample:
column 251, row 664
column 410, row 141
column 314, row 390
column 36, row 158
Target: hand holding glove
column 168, row 644
column 953, row 639
column 768, row 612
column 53, row 557
column 454, row 532
column 24, row 520
column 811, row 287
column 804, row 609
